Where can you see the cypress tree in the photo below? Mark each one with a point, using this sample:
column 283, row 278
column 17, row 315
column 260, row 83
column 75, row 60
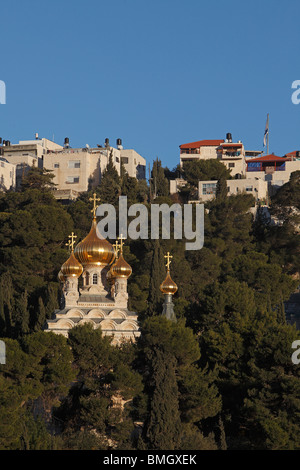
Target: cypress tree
column 159, row 183
column 110, row 186
column 162, row 430
column 21, row 314
column 154, row 297
column 221, row 192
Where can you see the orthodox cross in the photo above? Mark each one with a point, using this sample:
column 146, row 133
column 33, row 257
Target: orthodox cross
column 94, row 199
column 168, row 256
column 121, row 243
column 71, row 242
column 116, row 247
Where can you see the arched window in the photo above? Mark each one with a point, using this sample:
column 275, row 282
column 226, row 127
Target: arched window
column 95, row 278
column 87, row 279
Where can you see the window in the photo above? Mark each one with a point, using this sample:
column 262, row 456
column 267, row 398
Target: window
column 56, row 165
column 124, row 160
column 72, row 179
column 209, row 188
column 117, row 159
column 249, row 188
column 2, row 164
column 95, row 278
column 231, row 165
column 74, row 164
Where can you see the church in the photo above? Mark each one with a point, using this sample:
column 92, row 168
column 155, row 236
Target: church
column 94, row 284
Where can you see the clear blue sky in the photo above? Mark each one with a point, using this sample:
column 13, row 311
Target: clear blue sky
column 155, row 73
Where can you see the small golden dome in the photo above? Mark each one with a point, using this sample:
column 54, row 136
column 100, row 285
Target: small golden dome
column 120, row 268
column 71, row 268
column 93, row 249
column 168, row 286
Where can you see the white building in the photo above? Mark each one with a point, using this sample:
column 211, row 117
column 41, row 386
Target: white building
column 27, row 153
column 255, row 186
column 7, row 175
column 231, row 154
column 273, row 169
column 80, row 169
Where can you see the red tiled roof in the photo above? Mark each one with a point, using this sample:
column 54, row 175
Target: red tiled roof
column 201, row 143
column 230, row 144
column 268, row 158
column 291, row 154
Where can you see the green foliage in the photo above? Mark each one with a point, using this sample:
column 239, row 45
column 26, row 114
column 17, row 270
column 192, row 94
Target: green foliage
column 225, row 380
column 204, row 170
column 159, row 184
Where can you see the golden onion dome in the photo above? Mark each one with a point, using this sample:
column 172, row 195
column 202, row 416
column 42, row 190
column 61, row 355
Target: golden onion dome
column 120, row 268
column 168, row 286
column 71, row 268
column 93, row 249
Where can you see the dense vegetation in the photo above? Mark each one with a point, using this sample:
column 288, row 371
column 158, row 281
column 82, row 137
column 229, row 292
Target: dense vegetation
column 221, row 377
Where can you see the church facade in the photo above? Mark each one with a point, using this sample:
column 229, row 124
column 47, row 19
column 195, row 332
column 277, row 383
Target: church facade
column 94, row 283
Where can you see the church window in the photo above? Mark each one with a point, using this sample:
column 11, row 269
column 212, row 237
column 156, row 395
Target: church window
column 95, row 279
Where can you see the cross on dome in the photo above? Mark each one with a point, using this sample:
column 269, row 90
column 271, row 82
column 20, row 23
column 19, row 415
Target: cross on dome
column 71, row 242
column 94, row 199
column 116, row 247
column 168, row 256
column 121, row 243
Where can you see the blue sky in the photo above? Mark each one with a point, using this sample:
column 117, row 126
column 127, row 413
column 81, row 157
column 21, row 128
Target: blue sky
column 154, row 73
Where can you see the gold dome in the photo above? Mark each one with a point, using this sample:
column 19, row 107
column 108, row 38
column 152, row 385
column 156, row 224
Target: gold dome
column 168, row 286
column 120, row 268
column 71, row 268
column 94, row 250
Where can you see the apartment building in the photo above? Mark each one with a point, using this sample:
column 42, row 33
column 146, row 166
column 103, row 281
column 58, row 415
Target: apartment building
column 80, row 169
column 273, row 169
column 26, row 153
column 231, row 154
column 7, row 175
column 255, row 186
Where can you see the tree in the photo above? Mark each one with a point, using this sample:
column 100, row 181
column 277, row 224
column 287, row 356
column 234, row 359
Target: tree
column 204, row 170
column 169, row 352
column 105, row 381
column 159, row 183
column 221, row 192
column 110, row 185
column 38, row 178
column 155, row 296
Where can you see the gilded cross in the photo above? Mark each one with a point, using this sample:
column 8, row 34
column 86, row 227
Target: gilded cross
column 94, row 199
column 116, row 247
column 121, row 243
column 71, row 242
column 168, row 256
